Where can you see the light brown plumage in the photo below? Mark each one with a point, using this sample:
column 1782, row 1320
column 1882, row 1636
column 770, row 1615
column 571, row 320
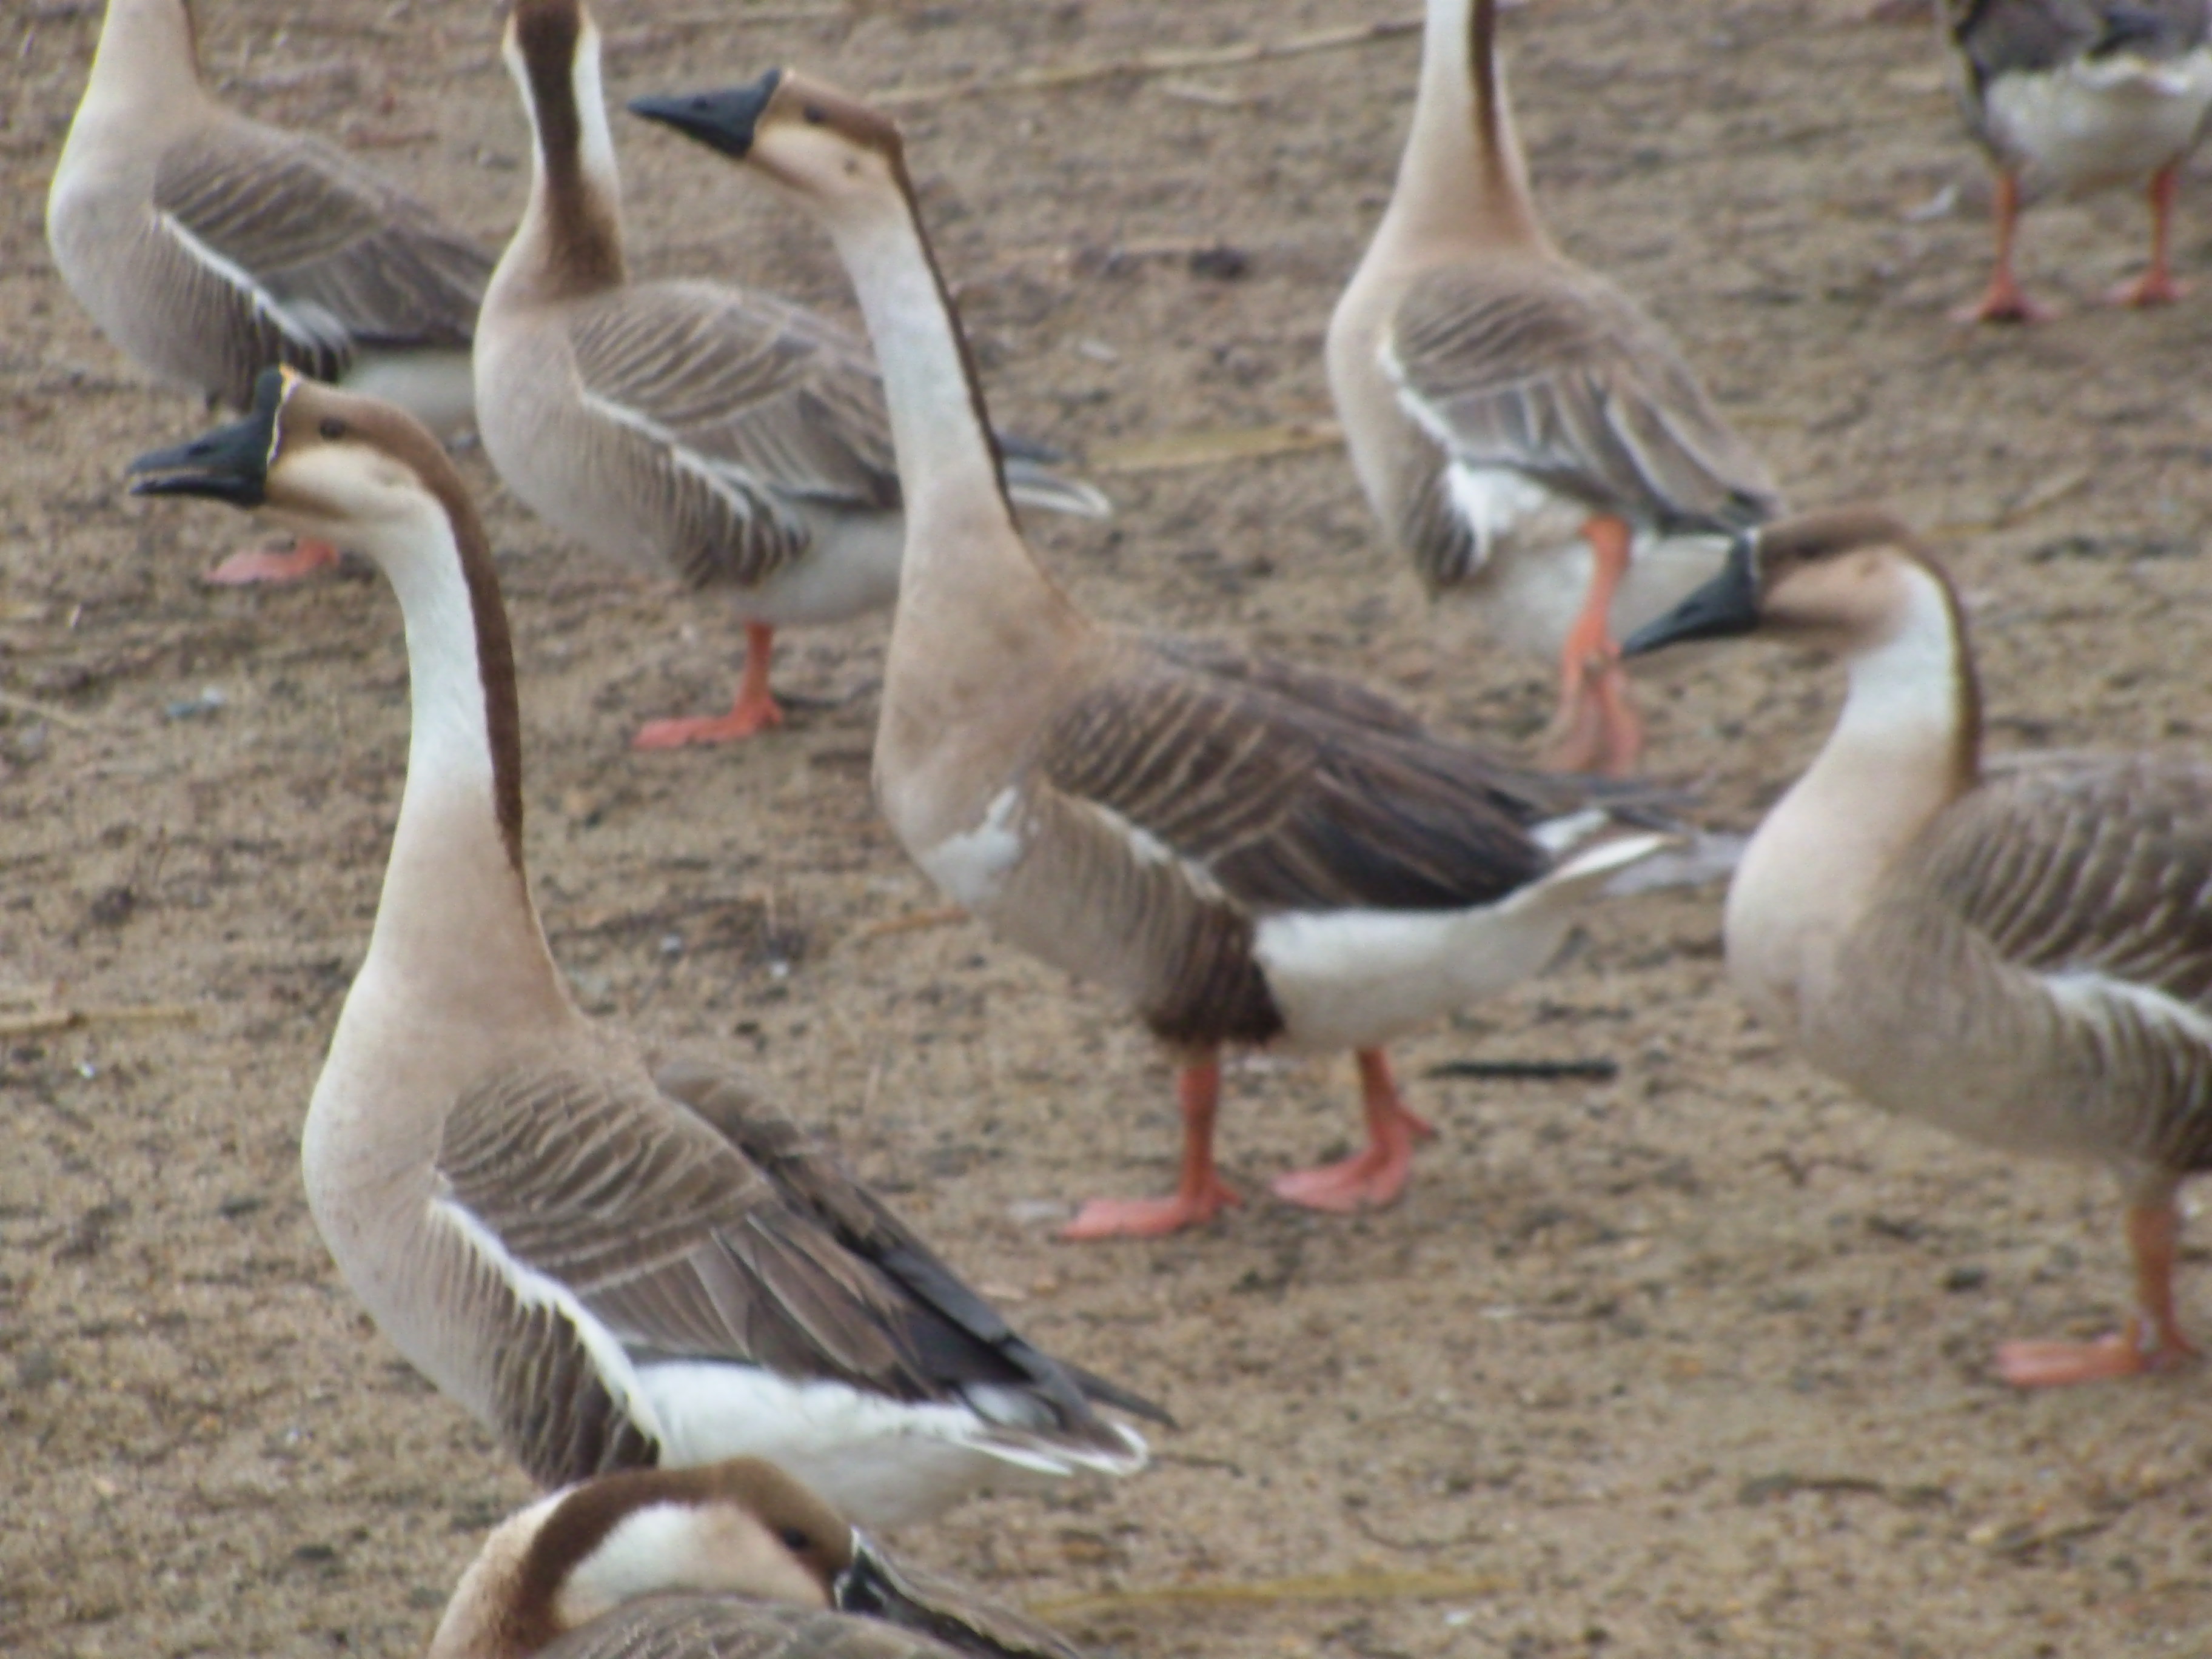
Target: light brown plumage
column 2021, row 952
column 1246, row 851
column 606, row 1268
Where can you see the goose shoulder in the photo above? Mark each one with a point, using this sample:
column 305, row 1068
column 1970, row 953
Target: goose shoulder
column 610, row 1201
column 739, row 413
column 727, row 1628
column 1550, row 372
column 288, row 237
column 2084, row 866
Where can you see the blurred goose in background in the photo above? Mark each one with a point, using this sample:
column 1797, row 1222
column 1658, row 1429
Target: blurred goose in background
column 1249, row 852
column 2022, row 952
column 734, row 1560
column 1525, row 432
column 210, row 247
column 2080, row 95
column 608, row 1268
column 721, row 433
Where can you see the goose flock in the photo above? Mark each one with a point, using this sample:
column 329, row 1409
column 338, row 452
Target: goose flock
column 719, row 1354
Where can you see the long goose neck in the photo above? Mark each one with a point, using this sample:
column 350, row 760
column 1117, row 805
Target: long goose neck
column 145, row 77
column 1907, row 745
column 1462, row 183
column 456, row 932
column 963, row 552
column 569, row 243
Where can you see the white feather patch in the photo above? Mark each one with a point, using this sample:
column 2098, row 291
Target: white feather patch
column 2098, row 994
column 2100, row 121
column 309, row 327
column 972, row 865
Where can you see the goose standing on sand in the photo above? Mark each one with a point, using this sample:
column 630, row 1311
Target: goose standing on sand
column 1247, row 851
column 2020, row 953
column 724, row 435
column 733, row 1558
column 210, row 247
column 1525, row 432
column 608, row 1268
column 2081, row 96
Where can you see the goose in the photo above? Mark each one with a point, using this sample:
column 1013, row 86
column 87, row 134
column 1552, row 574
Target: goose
column 209, row 247
column 2021, row 952
column 721, row 434
column 2079, row 95
column 608, row 1268
column 1526, row 433
column 727, row 1559
column 1247, row 851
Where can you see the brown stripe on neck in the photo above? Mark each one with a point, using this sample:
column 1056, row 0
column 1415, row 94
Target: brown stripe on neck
column 895, row 152
column 585, row 252
column 1482, row 72
column 1965, row 681
column 191, row 39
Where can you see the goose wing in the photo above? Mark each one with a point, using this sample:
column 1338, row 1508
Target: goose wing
column 696, row 1626
column 293, row 251
column 1555, row 374
column 2083, row 865
column 745, row 410
column 603, row 1198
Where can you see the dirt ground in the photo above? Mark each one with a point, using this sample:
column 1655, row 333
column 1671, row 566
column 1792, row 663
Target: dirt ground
column 1691, row 1360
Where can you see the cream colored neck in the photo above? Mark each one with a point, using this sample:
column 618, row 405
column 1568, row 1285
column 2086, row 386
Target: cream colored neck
column 1902, row 750
column 145, row 74
column 569, row 243
column 1456, row 190
column 456, row 933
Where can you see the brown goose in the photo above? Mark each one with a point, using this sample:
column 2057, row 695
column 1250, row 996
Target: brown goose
column 2022, row 955
column 1248, row 852
column 717, row 432
column 608, row 1268
column 1525, row 432
column 733, row 1560
column 209, row 247
column 2080, row 95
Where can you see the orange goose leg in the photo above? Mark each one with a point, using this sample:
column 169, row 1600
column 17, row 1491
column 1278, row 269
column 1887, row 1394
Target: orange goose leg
column 2151, row 1340
column 2001, row 302
column 2156, row 286
column 1596, row 729
column 266, row 564
column 1375, row 1177
column 755, row 709
column 1199, row 1194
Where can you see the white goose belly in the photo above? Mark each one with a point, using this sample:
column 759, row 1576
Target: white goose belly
column 2097, row 122
column 1536, row 577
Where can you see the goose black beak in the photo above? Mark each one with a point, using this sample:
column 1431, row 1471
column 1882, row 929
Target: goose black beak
column 721, row 120
column 1724, row 605
column 230, row 463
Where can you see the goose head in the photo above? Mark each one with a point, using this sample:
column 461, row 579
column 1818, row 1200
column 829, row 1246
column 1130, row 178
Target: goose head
column 741, row 1528
column 324, row 462
column 826, row 149
column 1848, row 582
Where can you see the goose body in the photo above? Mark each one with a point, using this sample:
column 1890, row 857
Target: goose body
column 724, row 436
column 607, row 1267
column 1527, row 433
column 728, row 1559
column 2022, row 952
column 1248, row 852
column 2071, row 96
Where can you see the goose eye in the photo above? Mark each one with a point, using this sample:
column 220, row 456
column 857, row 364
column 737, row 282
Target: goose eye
column 814, row 114
column 794, row 1539
column 332, row 428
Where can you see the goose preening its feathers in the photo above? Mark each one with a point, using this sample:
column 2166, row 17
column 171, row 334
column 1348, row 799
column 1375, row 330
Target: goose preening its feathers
column 1526, row 433
column 2077, row 95
column 722, row 434
column 608, row 1268
column 1248, row 852
column 210, row 246
column 732, row 1560
column 2023, row 954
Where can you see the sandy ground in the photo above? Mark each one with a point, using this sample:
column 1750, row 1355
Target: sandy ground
column 1692, row 1360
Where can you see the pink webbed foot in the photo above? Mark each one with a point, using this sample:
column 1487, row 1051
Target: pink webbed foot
column 1374, row 1177
column 2153, row 288
column 1596, row 729
column 272, row 565
column 1149, row 1217
column 2060, row 1364
column 755, row 709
